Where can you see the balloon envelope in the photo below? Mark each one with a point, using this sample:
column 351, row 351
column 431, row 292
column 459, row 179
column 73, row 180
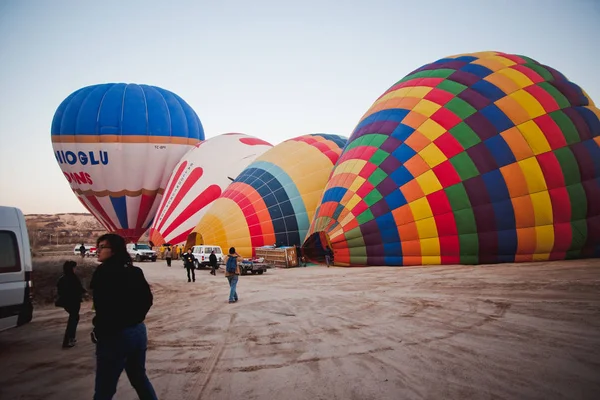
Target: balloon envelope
column 477, row 158
column 200, row 178
column 273, row 200
column 117, row 144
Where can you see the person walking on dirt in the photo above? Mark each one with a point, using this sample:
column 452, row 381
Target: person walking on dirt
column 168, row 255
column 212, row 259
column 232, row 272
column 82, row 250
column 189, row 263
column 70, row 293
column 328, row 256
column 122, row 298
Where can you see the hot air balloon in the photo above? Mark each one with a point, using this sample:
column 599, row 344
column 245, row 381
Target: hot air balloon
column 117, row 144
column 476, row 158
column 273, row 200
column 200, row 178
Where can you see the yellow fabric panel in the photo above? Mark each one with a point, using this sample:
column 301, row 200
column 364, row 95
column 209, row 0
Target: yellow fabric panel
column 503, row 82
column 540, row 257
column 529, row 103
column 490, row 63
column 427, row 228
column 502, row 60
column 432, row 155
column 542, row 207
column 353, row 202
column 407, row 91
column 535, row 137
column 426, row 107
column 431, row 260
column 429, row 182
column 533, row 175
column 357, row 183
column 311, row 201
column 545, row 239
column 430, row 247
column 518, row 77
column 479, row 54
column 431, row 129
column 420, row 209
column 349, row 166
column 597, row 139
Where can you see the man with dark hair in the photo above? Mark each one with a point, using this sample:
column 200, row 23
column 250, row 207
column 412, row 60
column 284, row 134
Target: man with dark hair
column 70, row 292
column 212, row 259
column 82, row 250
column 122, row 298
column 189, row 264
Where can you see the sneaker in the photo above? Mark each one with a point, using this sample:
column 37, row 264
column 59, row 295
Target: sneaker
column 231, row 301
column 68, row 345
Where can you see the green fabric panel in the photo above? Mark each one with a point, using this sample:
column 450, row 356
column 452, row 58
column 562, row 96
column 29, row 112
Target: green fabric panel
column 464, row 166
column 435, row 73
column 378, row 157
column 465, row 135
column 451, row 87
column 465, row 222
column 365, row 216
column 469, row 248
column 554, row 92
column 543, row 72
column 569, row 166
column 373, row 197
column 567, row 127
column 374, row 140
column 377, row 177
column 578, row 202
column 573, row 254
column 353, row 234
column 358, row 260
column 579, row 229
column 457, row 196
column 460, row 108
column 357, row 247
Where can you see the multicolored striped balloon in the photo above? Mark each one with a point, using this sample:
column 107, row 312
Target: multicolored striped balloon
column 199, row 178
column 274, row 199
column 117, row 144
column 475, row 158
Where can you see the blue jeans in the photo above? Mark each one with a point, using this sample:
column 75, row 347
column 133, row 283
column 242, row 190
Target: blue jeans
column 232, row 284
column 123, row 350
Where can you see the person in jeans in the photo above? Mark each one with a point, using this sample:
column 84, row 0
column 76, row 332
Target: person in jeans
column 122, row 298
column 70, row 293
column 232, row 272
column 168, row 256
column 328, row 256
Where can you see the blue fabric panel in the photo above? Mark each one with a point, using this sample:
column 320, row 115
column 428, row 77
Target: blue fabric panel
column 120, row 207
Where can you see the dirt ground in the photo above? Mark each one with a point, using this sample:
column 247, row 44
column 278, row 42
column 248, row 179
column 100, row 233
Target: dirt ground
column 512, row 331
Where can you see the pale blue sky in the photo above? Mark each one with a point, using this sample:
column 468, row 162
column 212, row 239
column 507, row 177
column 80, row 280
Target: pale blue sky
column 272, row 69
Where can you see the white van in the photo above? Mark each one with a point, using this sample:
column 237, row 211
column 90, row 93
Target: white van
column 15, row 269
column 141, row 251
column 202, row 253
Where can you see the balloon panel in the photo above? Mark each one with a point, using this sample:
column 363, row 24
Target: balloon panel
column 273, row 200
column 199, row 179
column 477, row 158
column 117, row 144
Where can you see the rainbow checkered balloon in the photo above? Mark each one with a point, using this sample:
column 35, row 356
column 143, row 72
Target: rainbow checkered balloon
column 475, row 158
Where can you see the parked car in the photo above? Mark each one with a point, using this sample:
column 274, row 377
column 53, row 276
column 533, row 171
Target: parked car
column 202, row 253
column 141, row 251
column 90, row 250
column 15, row 269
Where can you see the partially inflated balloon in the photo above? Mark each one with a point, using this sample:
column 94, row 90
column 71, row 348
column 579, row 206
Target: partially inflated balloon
column 117, row 144
column 476, row 158
column 274, row 199
column 200, row 178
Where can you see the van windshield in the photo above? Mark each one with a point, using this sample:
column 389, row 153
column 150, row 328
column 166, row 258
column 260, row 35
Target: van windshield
column 143, row 247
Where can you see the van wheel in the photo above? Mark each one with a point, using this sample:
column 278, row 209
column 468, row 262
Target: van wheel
column 138, row 258
column 260, row 272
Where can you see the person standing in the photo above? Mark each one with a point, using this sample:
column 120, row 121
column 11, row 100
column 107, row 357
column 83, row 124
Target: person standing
column 232, row 272
column 70, row 293
column 122, row 298
column 189, row 263
column 328, row 256
column 168, row 255
column 212, row 259
column 82, row 250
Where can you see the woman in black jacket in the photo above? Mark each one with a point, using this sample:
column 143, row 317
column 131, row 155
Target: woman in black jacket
column 122, row 298
column 70, row 292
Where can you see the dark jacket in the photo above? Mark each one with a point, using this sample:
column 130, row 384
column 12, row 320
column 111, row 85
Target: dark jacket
column 188, row 260
column 212, row 259
column 122, row 297
column 69, row 290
